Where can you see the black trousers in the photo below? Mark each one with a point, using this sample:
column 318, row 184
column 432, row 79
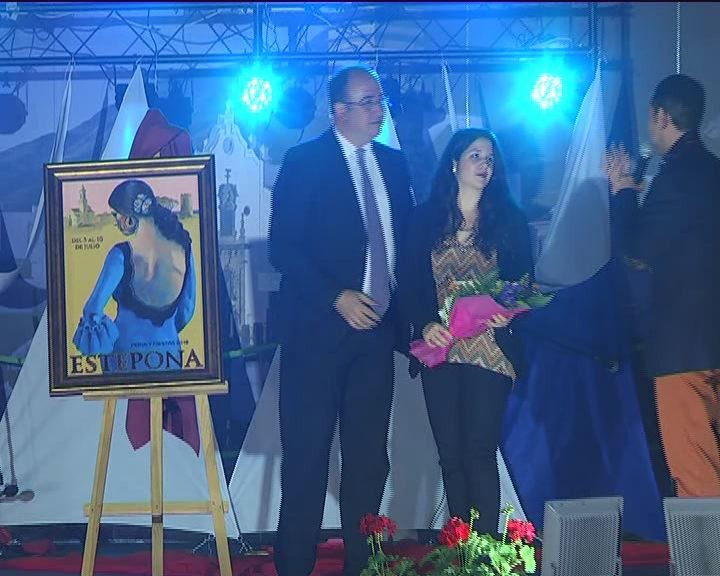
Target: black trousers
column 466, row 406
column 352, row 380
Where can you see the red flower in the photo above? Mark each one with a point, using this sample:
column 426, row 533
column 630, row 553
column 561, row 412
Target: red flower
column 454, row 532
column 389, row 525
column 521, row 530
column 371, row 524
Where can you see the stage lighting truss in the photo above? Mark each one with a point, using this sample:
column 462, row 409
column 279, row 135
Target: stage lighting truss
column 210, row 38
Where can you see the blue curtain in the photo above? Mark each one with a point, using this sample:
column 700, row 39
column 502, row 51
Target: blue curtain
column 573, row 427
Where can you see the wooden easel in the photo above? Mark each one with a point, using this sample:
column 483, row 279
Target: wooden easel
column 157, row 507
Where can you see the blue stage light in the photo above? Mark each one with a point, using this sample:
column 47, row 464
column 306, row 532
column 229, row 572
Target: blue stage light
column 257, row 94
column 253, row 94
column 547, row 91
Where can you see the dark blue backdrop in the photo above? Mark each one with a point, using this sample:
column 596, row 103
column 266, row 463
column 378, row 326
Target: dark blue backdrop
column 573, row 427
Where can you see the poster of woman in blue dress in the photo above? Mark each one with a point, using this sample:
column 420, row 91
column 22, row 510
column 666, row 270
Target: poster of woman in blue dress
column 134, row 298
column 151, row 278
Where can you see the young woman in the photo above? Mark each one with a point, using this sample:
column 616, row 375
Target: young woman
column 468, row 227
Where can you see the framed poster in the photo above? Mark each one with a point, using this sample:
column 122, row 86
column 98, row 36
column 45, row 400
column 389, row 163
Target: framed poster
column 132, row 275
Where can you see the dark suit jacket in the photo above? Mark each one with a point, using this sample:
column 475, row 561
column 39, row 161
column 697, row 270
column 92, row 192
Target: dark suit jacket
column 317, row 236
column 418, row 294
column 676, row 233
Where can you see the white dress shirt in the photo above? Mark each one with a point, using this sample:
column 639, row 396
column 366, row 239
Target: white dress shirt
column 349, row 150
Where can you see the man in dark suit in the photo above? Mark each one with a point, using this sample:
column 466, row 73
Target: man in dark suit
column 339, row 206
column 675, row 236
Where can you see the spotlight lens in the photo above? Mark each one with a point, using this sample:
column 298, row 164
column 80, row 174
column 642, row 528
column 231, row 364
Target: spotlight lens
column 547, row 91
column 257, row 94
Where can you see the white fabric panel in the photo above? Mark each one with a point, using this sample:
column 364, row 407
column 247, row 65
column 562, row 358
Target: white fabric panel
column 56, row 155
column 454, row 124
column 577, row 244
column 132, row 111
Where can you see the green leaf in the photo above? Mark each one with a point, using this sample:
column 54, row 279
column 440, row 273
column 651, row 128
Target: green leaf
column 527, row 554
column 537, row 300
column 507, row 549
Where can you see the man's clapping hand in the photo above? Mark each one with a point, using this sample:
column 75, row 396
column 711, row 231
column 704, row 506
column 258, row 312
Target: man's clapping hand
column 617, row 168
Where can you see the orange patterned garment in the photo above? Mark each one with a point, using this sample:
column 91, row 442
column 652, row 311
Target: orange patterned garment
column 453, row 261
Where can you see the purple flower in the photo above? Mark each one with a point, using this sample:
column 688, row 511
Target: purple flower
column 509, row 294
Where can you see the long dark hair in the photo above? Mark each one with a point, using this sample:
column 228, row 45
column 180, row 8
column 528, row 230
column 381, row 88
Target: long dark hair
column 136, row 198
column 495, row 205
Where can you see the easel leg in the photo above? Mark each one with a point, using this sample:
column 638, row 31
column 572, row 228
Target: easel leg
column 98, row 493
column 156, row 484
column 207, row 434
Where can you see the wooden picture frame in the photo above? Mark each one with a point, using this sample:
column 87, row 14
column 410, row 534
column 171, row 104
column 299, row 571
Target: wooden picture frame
column 132, row 268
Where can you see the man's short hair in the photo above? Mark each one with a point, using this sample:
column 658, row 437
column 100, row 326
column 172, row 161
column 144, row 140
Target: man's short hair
column 683, row 98
column 337, row 85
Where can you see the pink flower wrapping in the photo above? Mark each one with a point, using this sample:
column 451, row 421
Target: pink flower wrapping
column 469, row 317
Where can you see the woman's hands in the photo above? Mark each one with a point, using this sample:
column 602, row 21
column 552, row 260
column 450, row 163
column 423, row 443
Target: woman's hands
column 436, row 335
column 498, row 321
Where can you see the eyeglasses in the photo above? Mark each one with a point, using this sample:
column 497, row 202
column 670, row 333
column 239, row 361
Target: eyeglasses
column 368, row 103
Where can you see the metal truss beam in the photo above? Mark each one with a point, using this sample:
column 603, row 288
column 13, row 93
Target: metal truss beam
column 204, row 38
column 210, row 59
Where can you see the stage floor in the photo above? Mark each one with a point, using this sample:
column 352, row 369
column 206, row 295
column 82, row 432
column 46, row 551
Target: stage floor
column 639, row 559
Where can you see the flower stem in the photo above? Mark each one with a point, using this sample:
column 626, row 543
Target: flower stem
column 383, row 566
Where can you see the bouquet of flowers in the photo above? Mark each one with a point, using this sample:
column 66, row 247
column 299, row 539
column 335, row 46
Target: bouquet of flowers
column 464, row 552
column 473, row 303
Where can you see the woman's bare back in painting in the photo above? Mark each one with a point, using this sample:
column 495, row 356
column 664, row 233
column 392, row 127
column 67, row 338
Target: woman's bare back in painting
column 159, row 272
